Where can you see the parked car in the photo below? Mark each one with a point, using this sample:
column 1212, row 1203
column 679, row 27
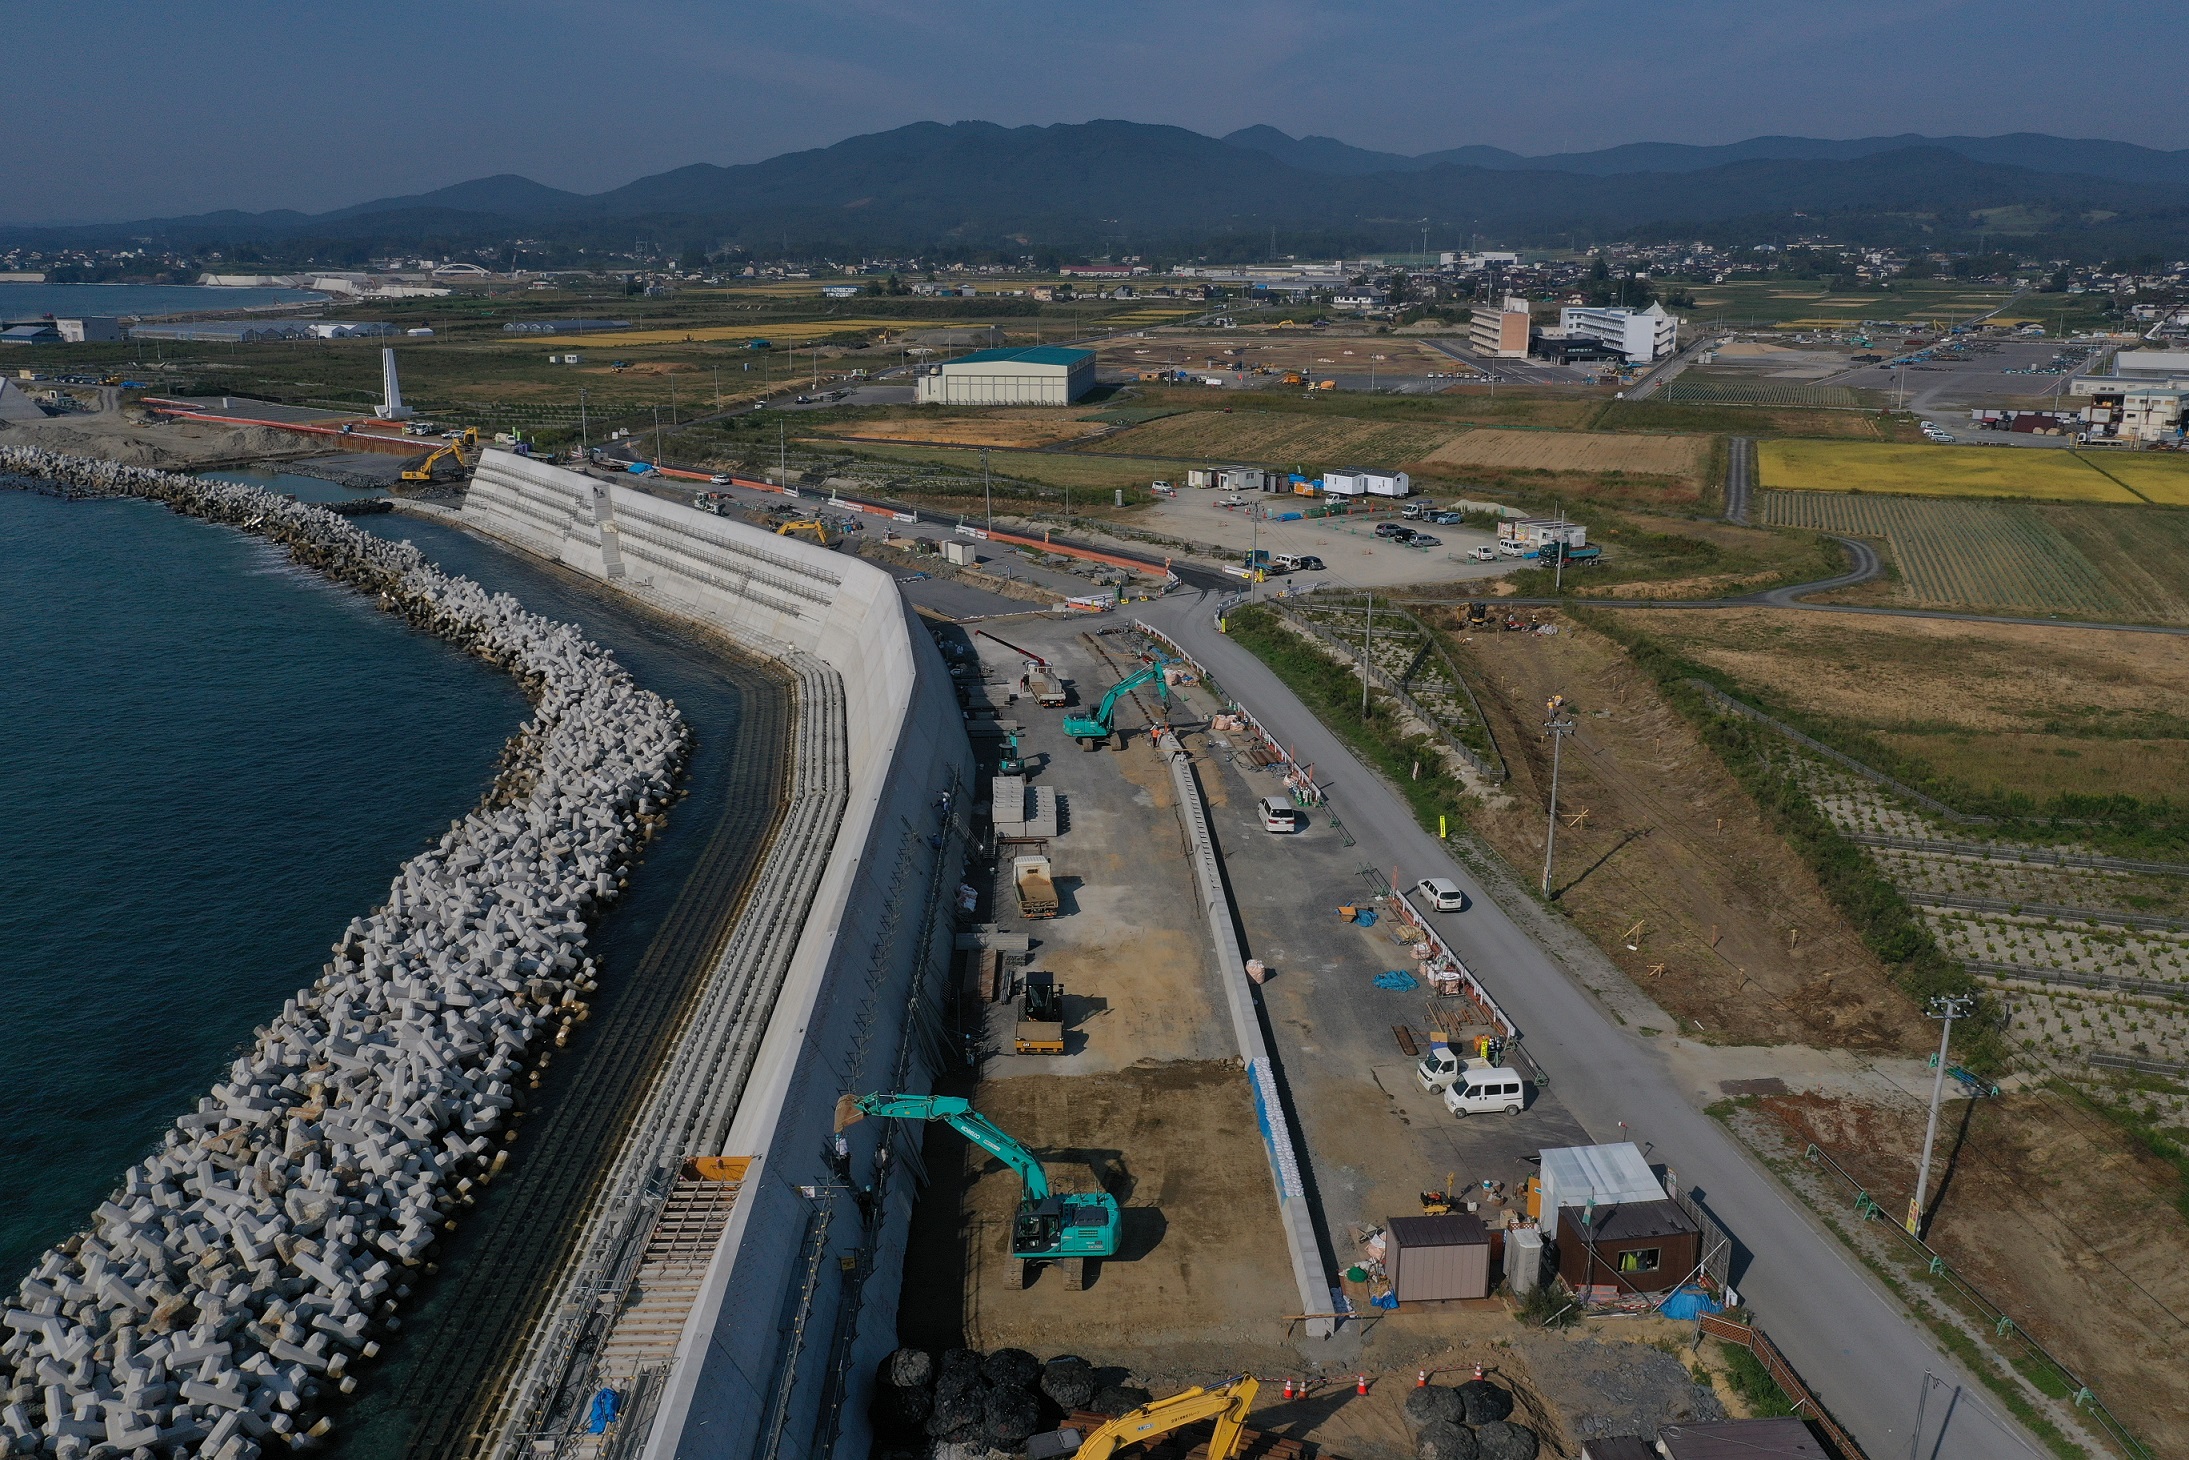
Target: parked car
column 1482, row 552
column 1424, row 539
column 1480, row 1091
column 1281, row 816
column 1398, row 530
column 1441, row 893
column 1448, row 519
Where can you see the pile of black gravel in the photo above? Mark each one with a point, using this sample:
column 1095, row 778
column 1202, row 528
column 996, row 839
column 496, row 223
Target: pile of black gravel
column 1468, row 1422
column 982, row 1402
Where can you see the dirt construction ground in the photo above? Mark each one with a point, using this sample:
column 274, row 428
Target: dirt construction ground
column 1659, row 848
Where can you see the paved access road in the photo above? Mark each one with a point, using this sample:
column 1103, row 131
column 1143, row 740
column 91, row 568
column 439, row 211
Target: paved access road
column 1850, row 1340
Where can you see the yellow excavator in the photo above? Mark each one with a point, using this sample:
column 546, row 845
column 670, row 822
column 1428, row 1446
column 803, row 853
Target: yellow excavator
column 423, row 471
column 1227, row 1405
column 812, row 527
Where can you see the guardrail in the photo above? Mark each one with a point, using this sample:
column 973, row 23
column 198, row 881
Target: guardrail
column 1783, row 1374
column 1298, row 778
column 2003, row 1326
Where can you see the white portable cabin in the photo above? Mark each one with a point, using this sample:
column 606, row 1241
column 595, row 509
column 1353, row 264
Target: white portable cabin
column 1578, row 1176
column 1345, row 482
column 1388, row 483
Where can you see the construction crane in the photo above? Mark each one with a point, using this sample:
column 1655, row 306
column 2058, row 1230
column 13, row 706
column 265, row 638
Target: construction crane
column 1227, row 1405
column 1092, row 731
column 423, row 471
column 1072, row 1229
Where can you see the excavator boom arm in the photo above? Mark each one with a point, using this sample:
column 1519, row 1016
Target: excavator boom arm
column 1228, row 1406
column 968, row 1122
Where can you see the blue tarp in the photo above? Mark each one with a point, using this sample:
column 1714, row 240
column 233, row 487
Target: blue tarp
column 1397, row 980
column 1366, row 917
column 602, row 1414
column 1389, row 1302
column 1690, row 1302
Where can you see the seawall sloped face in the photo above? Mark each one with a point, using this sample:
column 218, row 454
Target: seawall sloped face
column 772, row 1359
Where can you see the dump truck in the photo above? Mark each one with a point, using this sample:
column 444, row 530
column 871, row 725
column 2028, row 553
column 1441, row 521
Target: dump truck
column 1041, row 1016
column 1036, row 889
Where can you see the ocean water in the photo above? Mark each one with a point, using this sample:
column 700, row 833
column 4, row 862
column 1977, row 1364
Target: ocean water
column 210, row 761
column 28, row 301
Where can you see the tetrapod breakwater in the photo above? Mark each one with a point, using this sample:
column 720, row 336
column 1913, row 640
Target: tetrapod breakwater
column 237, row 1278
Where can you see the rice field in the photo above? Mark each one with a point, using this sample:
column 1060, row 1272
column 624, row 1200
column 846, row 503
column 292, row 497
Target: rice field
column 2158, row 477
column 2033, row 557
column 1935, row 471
column 1282, row 438
column 1759, row 393
column 1681, row 456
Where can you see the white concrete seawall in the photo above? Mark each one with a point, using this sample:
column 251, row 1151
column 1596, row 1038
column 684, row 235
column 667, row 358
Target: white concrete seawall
column 837, row 959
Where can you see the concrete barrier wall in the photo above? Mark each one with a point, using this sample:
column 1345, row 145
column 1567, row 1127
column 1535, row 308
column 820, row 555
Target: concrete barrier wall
column 781, row 1346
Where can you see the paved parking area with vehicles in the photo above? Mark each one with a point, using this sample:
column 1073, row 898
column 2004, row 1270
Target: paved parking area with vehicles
column 1352, row 554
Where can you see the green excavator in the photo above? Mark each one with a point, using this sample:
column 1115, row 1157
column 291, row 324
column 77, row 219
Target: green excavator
column 1093, row 731
column 1072, row 1229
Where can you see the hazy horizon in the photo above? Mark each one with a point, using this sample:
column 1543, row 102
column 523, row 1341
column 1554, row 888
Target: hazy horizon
column 261, row 106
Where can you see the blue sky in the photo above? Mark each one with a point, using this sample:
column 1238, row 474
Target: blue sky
column 133, row 109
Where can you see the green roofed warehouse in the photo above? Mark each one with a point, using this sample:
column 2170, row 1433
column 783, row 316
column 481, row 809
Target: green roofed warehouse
column 1043, row 375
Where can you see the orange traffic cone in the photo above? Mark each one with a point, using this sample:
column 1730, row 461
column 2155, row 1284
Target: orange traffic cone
column 1290, row 1391
column 1421, row 1378
column 1478, row 1370
column 1360, row 1384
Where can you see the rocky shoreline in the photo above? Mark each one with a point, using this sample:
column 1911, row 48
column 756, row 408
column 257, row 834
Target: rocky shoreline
column 235, row 1279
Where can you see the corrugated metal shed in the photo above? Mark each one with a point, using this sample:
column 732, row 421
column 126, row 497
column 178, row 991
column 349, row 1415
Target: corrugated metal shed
column 1576, row 1175
column 1741, row 1439
column 1433, row 1259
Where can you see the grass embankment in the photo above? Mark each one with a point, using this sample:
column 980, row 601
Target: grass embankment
column 1333, row 692
column 1880, row 916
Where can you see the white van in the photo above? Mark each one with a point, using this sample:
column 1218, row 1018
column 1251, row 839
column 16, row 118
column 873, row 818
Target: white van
column 1481, row 1091
column 1280, row 815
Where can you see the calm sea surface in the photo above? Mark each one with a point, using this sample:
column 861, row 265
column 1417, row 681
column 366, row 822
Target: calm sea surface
column 210, row 761
column 27, row 301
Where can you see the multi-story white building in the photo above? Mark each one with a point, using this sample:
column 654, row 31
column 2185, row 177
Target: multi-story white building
column 1642, row 335
column 1502, row 331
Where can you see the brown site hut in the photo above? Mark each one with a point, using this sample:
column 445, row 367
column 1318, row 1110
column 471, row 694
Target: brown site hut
column 1634, row 1246
column 1434, row 1259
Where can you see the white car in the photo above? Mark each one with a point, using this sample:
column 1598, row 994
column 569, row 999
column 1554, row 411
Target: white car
column 1481, row 1092
column 1442, row 893
column 1482, row 553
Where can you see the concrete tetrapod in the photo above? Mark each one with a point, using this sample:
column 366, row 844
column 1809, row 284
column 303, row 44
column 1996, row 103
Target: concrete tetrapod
column 238, row 1273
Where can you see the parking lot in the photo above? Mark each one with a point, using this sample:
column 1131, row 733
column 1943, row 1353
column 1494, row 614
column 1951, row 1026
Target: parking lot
column 1352, row 554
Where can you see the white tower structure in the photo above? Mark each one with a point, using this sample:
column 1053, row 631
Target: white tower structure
column 391, row 391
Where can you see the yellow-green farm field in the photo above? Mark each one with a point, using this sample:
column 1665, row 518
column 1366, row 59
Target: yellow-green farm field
column 1935, row 471
column 2162, row 477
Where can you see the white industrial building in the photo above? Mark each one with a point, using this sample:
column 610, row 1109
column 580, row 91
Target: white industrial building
column 1642, row 335
column 1043, row 375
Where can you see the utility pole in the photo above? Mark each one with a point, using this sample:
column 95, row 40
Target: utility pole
column 1368, row 648
column 718, row 390
column 672, row 400
column 782, row 455
column 657, row 436
column 1945, row 1008
column 987, row 492
column 585, row 437
column 1560, row 727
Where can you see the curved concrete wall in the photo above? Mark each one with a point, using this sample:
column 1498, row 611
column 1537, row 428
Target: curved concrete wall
column 783, row 1341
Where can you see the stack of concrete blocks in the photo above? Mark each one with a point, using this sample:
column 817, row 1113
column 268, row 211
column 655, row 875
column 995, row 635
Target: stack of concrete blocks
column 238, row 1274
column 839, row 1021
column 1021, row 811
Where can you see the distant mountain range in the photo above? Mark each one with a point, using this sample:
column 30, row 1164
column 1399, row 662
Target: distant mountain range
column 1111, row 186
